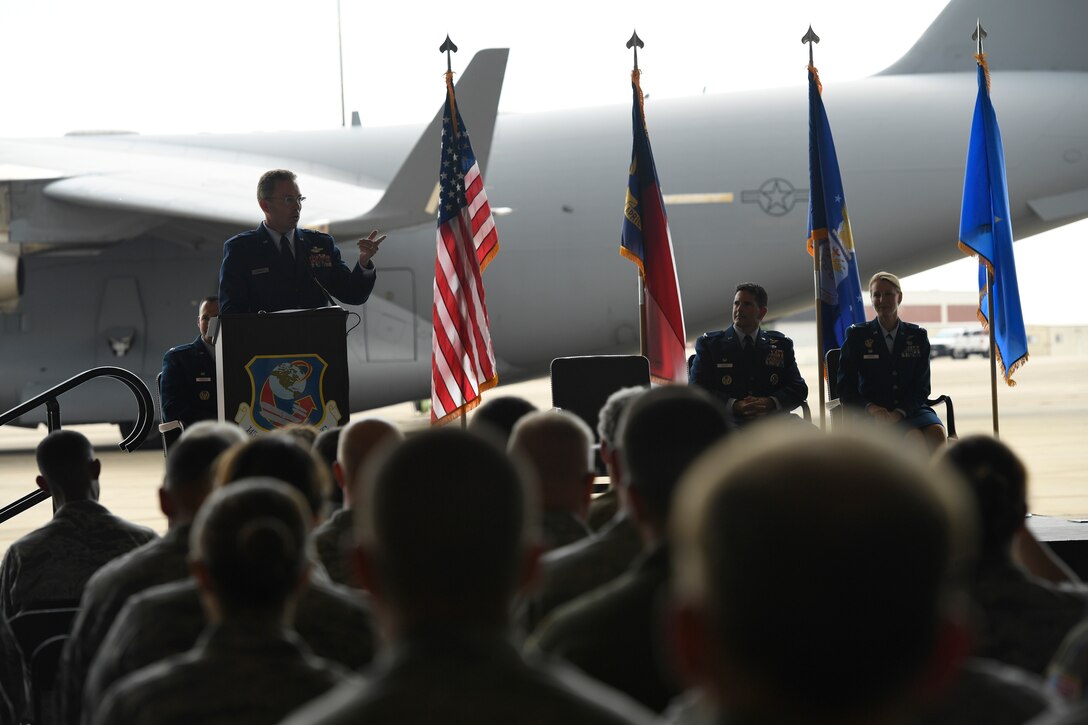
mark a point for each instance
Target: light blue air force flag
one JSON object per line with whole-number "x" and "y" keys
{"x": 986, "y": 230}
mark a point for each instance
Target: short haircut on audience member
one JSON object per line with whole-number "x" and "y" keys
{"x": 661, "y": 433}
{"x": 63, "y": 459}
{"x": 998, "y": 481}
{"x": 326, "y": 444}
{"x": 609, "y": 416}
{"x": 189, "y": 465}
{"x": 498, "y": 416}
{"x": 362, "y": 438}
{"x": 447, "y": 517}
{"x": 229, "y": 431}
{"x": 559, "y": 445}
{"x": 282, "y": 457}
{"x": 824, "y": 565}
{"x": 251, "y": 537}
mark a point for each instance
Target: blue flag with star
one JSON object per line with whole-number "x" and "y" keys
{"x": 986, "y": 230}
{"x": 841, "y": 303}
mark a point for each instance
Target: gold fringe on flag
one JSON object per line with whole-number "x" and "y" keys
{"x": 453, "y": 101}
{"x": 816, "y": 75}
{"x": 981, "y": 60}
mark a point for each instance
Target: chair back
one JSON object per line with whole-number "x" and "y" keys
{"x": 169, "y": 430}
{"x": 831, "y": 366}
{"x": 581, "y": 385}
{"x": 32, "y": 627}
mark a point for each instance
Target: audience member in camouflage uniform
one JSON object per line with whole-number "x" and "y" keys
{"x": 559, "y": 448}
{"x": 333, "y": 620}
{"x": 580, "y": 567}
{"x": 1023, "y": 618}
{"x": 249, "y": 668}
{"x": 51, "y": 565}
{"x": 447, "y": 533}
{"x": 186, "y": 484}
{"x": 615, "y": 633}
{"x": 332, "y": 539}
{"x": 817, "y": 579}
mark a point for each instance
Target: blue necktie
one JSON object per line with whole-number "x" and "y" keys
{"x": 285, "y": 252}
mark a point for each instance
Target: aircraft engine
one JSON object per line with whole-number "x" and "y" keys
{"x": 11, "y": 280}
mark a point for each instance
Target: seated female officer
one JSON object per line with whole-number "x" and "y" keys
{"x": 884, "y": 367}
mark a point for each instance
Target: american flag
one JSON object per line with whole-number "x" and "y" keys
{"x": 462, "y": 358}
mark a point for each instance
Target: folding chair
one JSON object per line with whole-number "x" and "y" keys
{"x": 169, "y": 430}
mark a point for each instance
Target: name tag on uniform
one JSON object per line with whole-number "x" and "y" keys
{"x": 725, "y": 365}
{"x": 870, "y": 357}
{"x": 203, "y": 380}
{"x": 259, "y": 270}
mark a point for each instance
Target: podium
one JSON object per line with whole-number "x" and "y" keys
{"x": 283, "y": 368}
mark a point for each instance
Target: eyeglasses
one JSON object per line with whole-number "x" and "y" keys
{"x": 289, "y": 200}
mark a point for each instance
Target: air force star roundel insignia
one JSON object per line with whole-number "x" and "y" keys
{"x": 286, "y": 390}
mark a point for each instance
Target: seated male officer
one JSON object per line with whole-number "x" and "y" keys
{"x": 188, "y": 373}
{"x": 753, "y": 371}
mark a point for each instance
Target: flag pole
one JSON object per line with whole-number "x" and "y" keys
{"x": 817, "y": 252}
{"x": 449, "y": 49}
{"x": 634, "y": 44}
{"x": 817, "y": 255}
{"x": 993, "y": 347}
{"x": 977, "y": 36}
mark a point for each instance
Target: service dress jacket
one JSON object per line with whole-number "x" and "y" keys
{"x": 896, "y": 380}
{"x": 188, "y": 383}
{"x": 255, "y": 277}
{"x": 721, "y": 367}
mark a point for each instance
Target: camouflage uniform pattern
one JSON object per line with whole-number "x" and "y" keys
{"x": 1025, "y": 619}
{"x": 232, "y": 676}
{"x": 331, "y": 540}
{"x": 573, "y": 570}
{"x": 986, "y": 691}
{"x": 53, "y": 563}
{"x": 1068, "y": 671}
{"x": 615, "y": 634}
{"x": 166, "y": 620}
{"x": 468, "y": 679}
{"x": 561, "y": 528}
{"x": 603, "y": 509}
{"x": 157, "y": 562}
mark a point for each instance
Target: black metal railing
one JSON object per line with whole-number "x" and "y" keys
{"x": 145, "y": 419}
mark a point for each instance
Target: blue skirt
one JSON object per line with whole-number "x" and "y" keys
{"x": 921, "y": 418}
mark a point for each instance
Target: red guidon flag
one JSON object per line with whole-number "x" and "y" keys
{"x": 462, "y": 358}
{"x": 646, "y": 241}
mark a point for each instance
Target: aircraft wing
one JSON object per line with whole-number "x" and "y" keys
{"x": 214, "y": 192}
{"x": 120, "y": 179}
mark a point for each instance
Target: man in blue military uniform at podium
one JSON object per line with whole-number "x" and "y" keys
{"x": 188, "y": 373}
{"x": 278, "y": 266}
{"x": 753, "y": 371}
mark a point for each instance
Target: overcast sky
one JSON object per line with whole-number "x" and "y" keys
{"x": 268, "y": 65}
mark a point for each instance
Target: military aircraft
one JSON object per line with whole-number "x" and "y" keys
{"x": 109, "y": 239}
